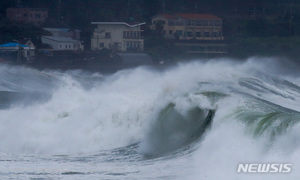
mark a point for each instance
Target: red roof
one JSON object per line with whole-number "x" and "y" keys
{"x": 168, "y": 16}
{"x": 190, "y": 16}
{"x": 197, "y": 16}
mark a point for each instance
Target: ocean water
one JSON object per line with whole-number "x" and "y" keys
{"x": 195, "y": 120}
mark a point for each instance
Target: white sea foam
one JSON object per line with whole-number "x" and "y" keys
{"x": 87, "y": 113}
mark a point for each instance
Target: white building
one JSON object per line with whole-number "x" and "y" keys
{"x": 118, "y": 36}
{"x": 64, "y": 32}
{"x": 63, "y": 39}
{"x": 62, "y": 43}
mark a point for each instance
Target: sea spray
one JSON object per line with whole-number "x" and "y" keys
{"x": 93, "y": 126}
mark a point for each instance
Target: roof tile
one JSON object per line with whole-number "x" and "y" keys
{"x": 191, "y": 16}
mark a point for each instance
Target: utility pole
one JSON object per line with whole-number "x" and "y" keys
{"x": 285, "y": 6}
{"x": 291, "y": 17}
{"x": 291, "y": 10}
{"x": 128, "y": 9}
{"x": 18, "y": 11}
{"x": 163, "y": 6}
{"x": 254, "y": 12}
{"x": 59, "y": 8}
{"x": 236, "y": 8}
{"x": 263, "y": 8}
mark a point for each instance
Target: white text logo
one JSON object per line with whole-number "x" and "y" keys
{"x": 264, "y": 168}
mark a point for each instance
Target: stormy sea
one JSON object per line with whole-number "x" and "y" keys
{"x": 195, "y": 120}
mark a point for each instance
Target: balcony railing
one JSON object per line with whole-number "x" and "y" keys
{"x": 132, "y": 37}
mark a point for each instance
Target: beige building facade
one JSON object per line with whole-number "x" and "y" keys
{"x": 188, "y": 26}
{"x": 117, "y": 36}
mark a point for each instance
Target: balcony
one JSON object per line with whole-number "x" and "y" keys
{"x": 132, "y": 37}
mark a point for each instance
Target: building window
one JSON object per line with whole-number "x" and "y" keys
{"x": 66, "y": 46}
{"x": 101, "y": 45}
{"x": 37, "y": 16}
{"x": 69, "y": 46}
{"x": 162, "y": 22}
{"x": 179, "y": 33}
{"x": 216, "y": 34}
{"x": 198, "y": 34}
{"x": 171, "y": 23}
{"x": 179, "y": 23}
{"x": 170, "y": 32}
{"x": 108, "y": 35}
{"x": 206, "y": 34}
{"x": 191, "y": 23}
{"x": 189, "y": 34}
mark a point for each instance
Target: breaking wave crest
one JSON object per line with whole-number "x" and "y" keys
{"x": 217, "y": 109}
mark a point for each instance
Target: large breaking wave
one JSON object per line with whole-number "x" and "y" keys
{"x": 217, "y": 114}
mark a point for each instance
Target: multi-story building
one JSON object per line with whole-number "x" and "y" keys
{"x": 27, "y": 15}
{"x": 118, "y": 36}
{"x": 188, "y": 26}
